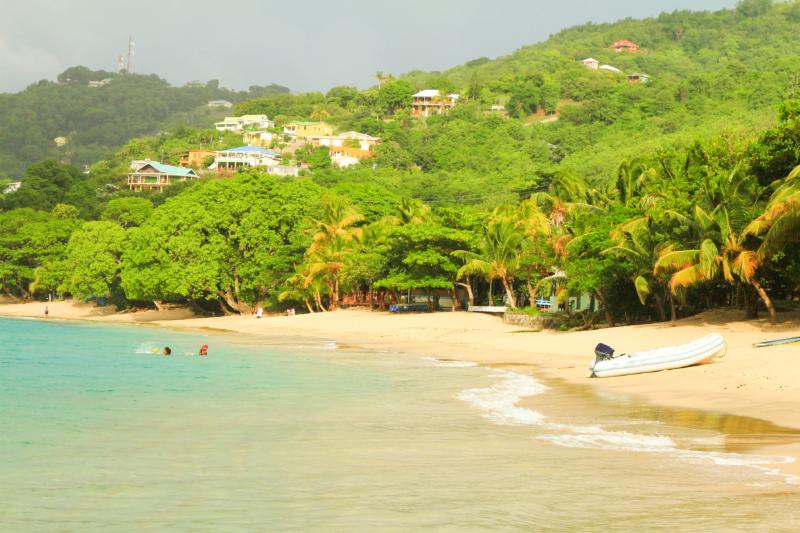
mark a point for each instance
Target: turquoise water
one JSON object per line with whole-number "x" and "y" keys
{"x": 100, "y": 434}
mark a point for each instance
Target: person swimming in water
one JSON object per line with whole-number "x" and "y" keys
{"x": 204, "y": 350}
{"x": 167, "y": 350}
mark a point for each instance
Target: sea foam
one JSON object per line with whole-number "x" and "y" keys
{"x": 498, "y": 403}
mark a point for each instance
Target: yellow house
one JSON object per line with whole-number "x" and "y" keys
{"x": 308, "y": 129}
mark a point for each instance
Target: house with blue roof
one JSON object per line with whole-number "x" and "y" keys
{"x": 247, "y": 156}
{"x": 152, "y": 175}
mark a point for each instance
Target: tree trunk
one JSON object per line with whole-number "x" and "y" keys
{"x": 750, "y": 310}
{"x": 531, "y": 293}
{"x": 773, "y": 315}
{"x": 512, "y": 301}
{"x": 158, "y": 305}
{"x": 318, "y": 301}
{"x": 606, "y": 310}
{"x": 673, "y": 315}
{"x": 470, "y": 296}
{"x": 308, "y": 305}
{"x": 662, "y": 314}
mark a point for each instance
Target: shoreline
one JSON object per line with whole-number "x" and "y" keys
{"x": 761, "y": 384}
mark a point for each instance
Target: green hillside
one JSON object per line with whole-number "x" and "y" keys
{"x": 95, "y": 120}
{"x": 655, "y": 199}
{"x": 709, "y": 70}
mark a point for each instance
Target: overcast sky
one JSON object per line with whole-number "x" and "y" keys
{"x": 303, "y": 44}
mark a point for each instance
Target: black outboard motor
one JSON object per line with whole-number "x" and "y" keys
{"x": 603, "y": 352}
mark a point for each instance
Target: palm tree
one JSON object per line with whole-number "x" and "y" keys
{"x": 722, "y": 250}
{"x": 333, "y": 241}
{"x": 498, "y": 255}
{"x": 319, "y": 113}
{"x": 780, "y": 222}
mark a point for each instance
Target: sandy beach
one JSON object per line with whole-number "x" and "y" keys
{"x": 761, "y": 383}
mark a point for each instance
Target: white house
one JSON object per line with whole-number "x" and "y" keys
{"x": 343, "y": 160}
{"x": 609, "y": 68}
{"x": 220, "y": 103}
{"x": 591, "y": 63}
{"x": 12, "y": 187}
{"x": 365, "y": 142}
{"x": 284, "y": 170}
{"x": 239, "y": 124}
{"x": 247, "y": 156}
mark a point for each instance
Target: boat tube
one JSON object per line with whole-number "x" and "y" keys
{"x": 695, "y": 352}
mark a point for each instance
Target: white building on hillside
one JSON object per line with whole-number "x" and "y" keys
{"x": 220, "y": 103}
{"x": 12, "y": 187}
{"x": 250, "y": 122}
{"x": 246, "y": 156}
{"x": 591, "y": 63}
{"x": 365, "y": 142}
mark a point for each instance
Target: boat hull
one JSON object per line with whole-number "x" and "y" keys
{"x": 695, "y": 352}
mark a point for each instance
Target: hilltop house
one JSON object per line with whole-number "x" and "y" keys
{"x": 239, "y": 124}
{"x": 196, "y": 158}
{"x": 152, "y": 175}
{"x": 353, "y": 139}
{"x": 308, "y": 130}
{"x": 429, "y": 102}
{"x": 219, "y": 103}
{"x": 638, "y": 78}
{"x": 246, "y": 156}
{"x": 591, "y": 63}
{"x": 624, "y": 45}
{"x": 609, "y": 68}
{"x": 12, "y": 187}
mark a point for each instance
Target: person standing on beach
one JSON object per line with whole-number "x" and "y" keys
{"x": 259, "y": 312}
{"x": 46, "y": 311}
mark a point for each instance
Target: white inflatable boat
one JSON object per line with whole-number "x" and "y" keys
{"x": 697, "y": 351}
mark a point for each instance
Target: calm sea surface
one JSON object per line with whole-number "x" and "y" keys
{"x": 97, "y": 433}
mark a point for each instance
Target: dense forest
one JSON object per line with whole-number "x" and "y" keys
{"x": 657, "y": 199}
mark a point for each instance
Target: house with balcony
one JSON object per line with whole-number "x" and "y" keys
{"x": 429, "y": 102}
{"x": 245, "y": 122}
{"x": 196, "y": 158}
{"x": 307, "y": 130}
{"x": 624, "y": 45}
{"x": 246, "y": 156}
{"x": 154, "y": 176}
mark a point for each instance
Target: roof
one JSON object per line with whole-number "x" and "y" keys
{"x": 624, "y": 42}
{"x": 588, "y": 59}
{"x": 427, "y": 93}
{"x": 356, "y": 135}
{"x": 610, "y": 68}
{"x": 256, "y": 149}
{"x": 169, "y": 169}
{"x": 301, "y": 123}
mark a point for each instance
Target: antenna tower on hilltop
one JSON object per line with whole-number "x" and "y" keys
{"x": 130, "y": 54}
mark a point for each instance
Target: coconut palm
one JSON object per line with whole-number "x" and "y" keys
{"x": 722, "y": 250}
{"x": 780, "y": 222}
{"x": 334, "y": 239}
{"x": 499, "y": 253}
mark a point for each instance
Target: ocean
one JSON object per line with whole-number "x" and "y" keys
{"x": 99, "y": 433}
